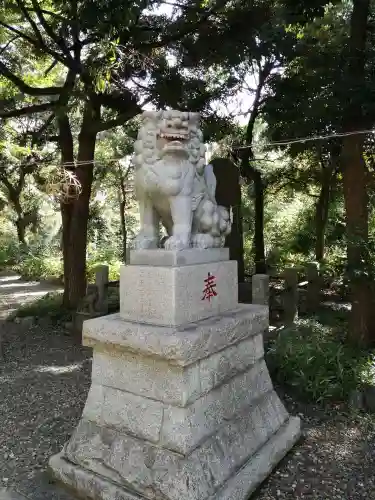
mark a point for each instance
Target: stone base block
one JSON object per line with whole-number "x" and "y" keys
{"x": 177, "y": 296}
{"x": 170, "y": 258}
{"x": 180, "y": 346}
{"x": 195, "y": 479}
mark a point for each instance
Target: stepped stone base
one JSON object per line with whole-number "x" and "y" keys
{"x": 239, "y": 486}
{"x": 177, "y": 409}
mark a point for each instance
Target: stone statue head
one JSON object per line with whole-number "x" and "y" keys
{"x": 169, "y": 132}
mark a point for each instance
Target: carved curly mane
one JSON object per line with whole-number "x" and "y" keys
{"x": 146, "y": 148}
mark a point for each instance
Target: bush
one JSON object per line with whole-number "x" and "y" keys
{"x": 311, "y": 359}
{"x": 49, "y": 305}
{"x": 37, "y": 267}
{"x": 114, "y": 269}
{"x": 9, "y": 253}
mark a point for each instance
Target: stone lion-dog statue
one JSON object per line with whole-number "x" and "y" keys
{"x": 174, "y": 185}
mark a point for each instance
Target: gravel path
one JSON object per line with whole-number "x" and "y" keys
{"x": 43, "y": 386}
{"x": 14, "y": 292}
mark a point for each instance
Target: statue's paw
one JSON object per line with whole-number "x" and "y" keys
{"x": 203, "y": 240}
{"x": 142, "y": 242}
{"x": 176, "y": 243}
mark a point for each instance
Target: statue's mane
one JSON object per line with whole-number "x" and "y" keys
{"x": 145, "y": 147}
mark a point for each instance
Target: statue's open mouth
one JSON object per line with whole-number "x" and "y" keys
{"x": 171, "y": 136}
{"x": 175, "y": 147}
{"x": 174, "y": 142}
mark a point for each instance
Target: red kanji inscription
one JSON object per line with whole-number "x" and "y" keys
{"x": 209, "y": 288}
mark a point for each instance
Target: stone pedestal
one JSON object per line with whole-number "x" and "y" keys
{"x": 181, "y": 404}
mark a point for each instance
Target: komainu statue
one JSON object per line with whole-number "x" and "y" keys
{"x": 174, "y": 186}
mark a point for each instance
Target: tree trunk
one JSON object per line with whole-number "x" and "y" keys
{"x": 235, "y": 240}
{"x": 362, "y": 330}
{"x": 322, "y": 209}
{"x": 122, "y": 204}
{"x": 123, "y": 229}
{"x": 75, "y": 213}
{"x": 259, "y": 250}
{"x": 251, "y": 174}
{"x": 81, "y": 209}
{"x": 67, "y": 156}
{"x": 20, "y": 226}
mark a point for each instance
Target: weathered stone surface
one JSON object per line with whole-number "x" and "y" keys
{"x": 225, "y": 452}
{"x": 228, "y": 465}
{"x": 28, "y": 321}
{"x": 86, "y": 483}
{"x": 184, "y": 428}
{"x": 260, "y": 289}
{"x": 94, "y": 403}
{"x": 146, "y": 376}
{"x": 225, "y": 364}
{"x": 357, "y": 400}
{"x": 173, "y": 258}
{"x": 180, "y": 429}
{"x": 127, "y": 412}
{"x": 174, "y": 296}
{"x": 252, "y": 474}
{"x": 7, "y": 494}
{"x": 369, "y": 398}
{"x": 290, "y": 296}
{"x": 125, "y": 460}
{"x": 171, "y": 384}
{"x": 180, "y": 346}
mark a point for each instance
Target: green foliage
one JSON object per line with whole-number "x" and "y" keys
{"x": 39, "y": 267}
{"x": 9, "y": 252}
{"x": 312, "y": 359}
{"x": 113, "y": 264}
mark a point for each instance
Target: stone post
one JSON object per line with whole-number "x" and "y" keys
{"x": 101, "y": 282}
{"x": 261, "y": 289}
{"x": 313, "y": 287}
{"x": 290, "y": 296}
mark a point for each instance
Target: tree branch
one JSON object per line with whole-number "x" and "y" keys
{"x": 38, "y": 133}
{"x": 34, "y": 43}
{"x": 77, "y": 45}
{"x": 50, "y": 68}
{"x": 19, "y": 33}
{"x": 48, "y": 12}
{"x": 8, "y": 43}
{"x": 187, "y": 29}
{"x": 59, "y": 41}
{"x": 24, "y": 87}
{"x": 32, "y": 23}
{"x": 28, "y": 110}
{"x": 133, "y": 110}
{"x": 115, "y": 122}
